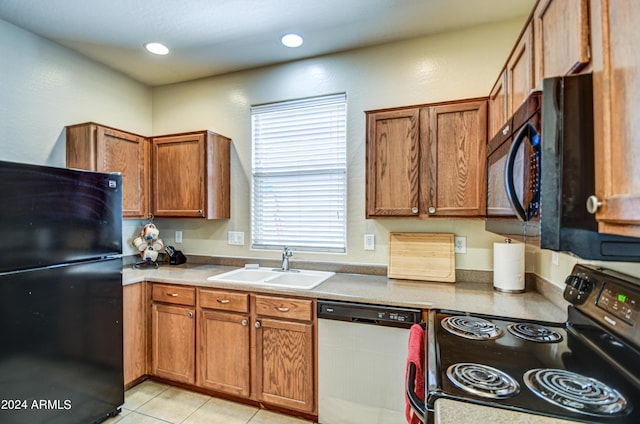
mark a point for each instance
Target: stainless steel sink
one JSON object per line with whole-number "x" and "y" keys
{"x": 295, "y": 279}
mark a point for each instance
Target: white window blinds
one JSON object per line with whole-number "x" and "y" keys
{"x": 299, "y": 174}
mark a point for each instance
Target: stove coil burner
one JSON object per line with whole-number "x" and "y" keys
{"x": 575, "y": 392}
{"x": 482, "y": 380}
{"x": 534, "y": 333}
{"x": 471, "y": 327}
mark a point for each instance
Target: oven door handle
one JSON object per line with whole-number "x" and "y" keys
{"x": 417, "y": 405}
{"x": 527, "y": 132}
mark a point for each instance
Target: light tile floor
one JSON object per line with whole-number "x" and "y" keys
{"x": 154, "y": 403}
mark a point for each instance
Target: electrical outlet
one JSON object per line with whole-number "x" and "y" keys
{"x": 235, "y": 238}
{"x": 178, "y": 237}
{"x": 369, "y": 242}
{"x": 554, "y": 258}
{"x": 460, "y": 245}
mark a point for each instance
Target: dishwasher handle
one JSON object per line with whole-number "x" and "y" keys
{"x": 417, "y": 405}
{"x": 366, "y": 321}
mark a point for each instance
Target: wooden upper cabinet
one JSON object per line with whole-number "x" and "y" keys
{"x": 616, "y": 105}
{"x": 561, "y": 29}
{"x": 520, "y": 76}
{"x": 190, "y": 175}
{"x": 453, "y": 152}
{"x": 98, "y": 148}
{"x": 497, "y": 105}
{"x": 393, "y": 159}
{"x": 427, "y": 161}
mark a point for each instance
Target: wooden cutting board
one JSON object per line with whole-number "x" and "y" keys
{"x": 422, "y": 256}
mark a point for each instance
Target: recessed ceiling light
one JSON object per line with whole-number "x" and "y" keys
{"x": 156, "y": 48}
{"x": 291, "y": 40}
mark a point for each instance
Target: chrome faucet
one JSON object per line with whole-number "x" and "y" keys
{"x": 286, "y": 254}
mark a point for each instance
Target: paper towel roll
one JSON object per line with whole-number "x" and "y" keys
{"x": 508, "y": 267}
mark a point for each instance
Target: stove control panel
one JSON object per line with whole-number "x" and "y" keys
{"x": 578, "y": 288}
{"x": 619, "y": 302}
{"x": 613, "y": 299}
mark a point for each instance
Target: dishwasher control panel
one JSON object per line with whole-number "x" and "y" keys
{"x": 369, "y": 314}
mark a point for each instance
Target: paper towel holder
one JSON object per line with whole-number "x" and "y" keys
{"x": 514, "y": 280}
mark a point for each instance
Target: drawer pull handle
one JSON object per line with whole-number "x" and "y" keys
{"x": 281, "y": 309}
{"x": 172, "y": 294}
{"x": 223, "y": 301}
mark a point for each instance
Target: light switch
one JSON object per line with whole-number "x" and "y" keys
{"x": 235, "y": 238}
{"x": 369, "y": 242}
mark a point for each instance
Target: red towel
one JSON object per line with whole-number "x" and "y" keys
{"x": 417, "y": 357}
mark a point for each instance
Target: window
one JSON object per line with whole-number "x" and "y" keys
{"x": 299, "y": 172}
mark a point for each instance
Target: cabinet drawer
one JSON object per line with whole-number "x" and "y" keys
{"x": 224, "y": 300}
{"x": 282, "y": 307}
{"x": 178, "y": 295}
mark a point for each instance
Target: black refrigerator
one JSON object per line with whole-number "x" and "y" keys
{"x": 60, "y": 295}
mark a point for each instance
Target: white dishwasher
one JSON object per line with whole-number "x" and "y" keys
{"x": 362, "y": 353}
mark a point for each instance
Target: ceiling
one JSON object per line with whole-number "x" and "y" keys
{"x": 212, "y": 37}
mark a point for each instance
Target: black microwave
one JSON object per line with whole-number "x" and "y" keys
{"x": 540, "y": 172}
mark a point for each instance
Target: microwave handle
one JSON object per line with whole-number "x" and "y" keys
{"x": 512, "y": 195}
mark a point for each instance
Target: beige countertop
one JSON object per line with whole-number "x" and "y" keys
{"x": 454, "y": 412}
{"x": 375, "y": 289}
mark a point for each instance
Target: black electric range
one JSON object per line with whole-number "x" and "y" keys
{"x": 586, "y": 369}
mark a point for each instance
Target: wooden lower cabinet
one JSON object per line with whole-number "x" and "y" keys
{"x": 134, "y": 329}
{"x": 173, "y": 342}
{"x": 285, "y": 365}
{"x": 224, "y": 352}
{"x": 256, "y": 347}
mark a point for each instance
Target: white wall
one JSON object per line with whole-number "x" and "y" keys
{"x": 45, "y": 87}
{"x": 447, "y": 66}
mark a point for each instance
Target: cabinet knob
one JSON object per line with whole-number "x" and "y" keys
{"x": 505, "y": 130}
{"x": 199, "y": 211}
{"x": 244, "y": 323}
{"x": 414, "y": 210}
{"x": 432, "y": 209}
{"x": 257, "y": 324}
{"x": 190, "y": 314}
{"x": 593, "y": 203}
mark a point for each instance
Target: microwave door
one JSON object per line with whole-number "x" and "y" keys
{"x": 498, "y": 205}
{"x": 522, "y": 173}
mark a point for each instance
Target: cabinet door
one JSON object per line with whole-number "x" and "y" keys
{"x": 285, "y": 364}
{"x": 392, "y": 163}
{"x": 497, "y": 106}
{"x": 561, "y": 29}
{"x": 191, "y": 175}
{"x": 520, "y": 71}
{"x": 173, "y": 343}
{"x": 617, "y": 100}
{"x": 452, "y": 172}
{"x": 178, "y": 175}
{"x": 224, "y": 352}
{"x": 134, "y": 329}
{"x": 97, "y": 148}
